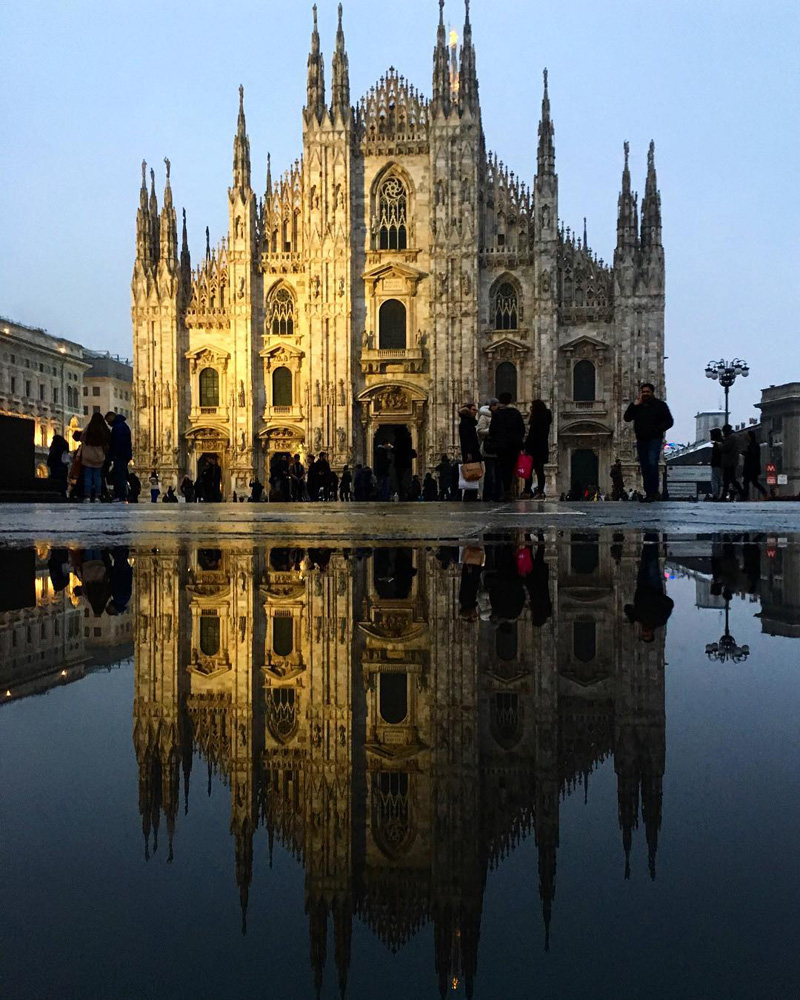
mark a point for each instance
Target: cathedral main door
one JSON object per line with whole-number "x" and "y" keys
{"x": 584, "y": 469}
{"x": 403, "y": 455}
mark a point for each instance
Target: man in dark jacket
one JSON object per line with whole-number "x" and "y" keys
{"x": 120, "y": 452}
{"x": 651, "y": 420}
{"x": 506, "y": 434}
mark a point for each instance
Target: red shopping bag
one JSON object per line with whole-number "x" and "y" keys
{"x": 524, "y": 466}
{"x": 524, "y": 561}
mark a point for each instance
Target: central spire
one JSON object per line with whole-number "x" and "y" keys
{"x": 340, "y": 71}
{"x": 546, "y": 154}
{"x": 241, "y": 150}
{"x": 315, "y": 96}
{"x": 441, "y": 68}
{"x": 468, "y": 77}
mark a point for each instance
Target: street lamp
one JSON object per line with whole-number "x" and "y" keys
{"x": 725, "y": 373}
{"x": 727, "y": 648}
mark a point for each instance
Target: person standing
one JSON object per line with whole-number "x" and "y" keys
{"x": 58, "y": 462}
{"x": 155, "y": 486}
{"x": 383, "y": 469}
{"x": 752, "y": 465}
{"x": 729, "y": 459}
{"x": 716, "y": 463}
{"x": 651, "y": 420}
{"x": 120, "y": 453}
{"x": 468, "y": 437}
{"x": 617, "y": 481}
{"x": 346, "y": 485}
{"x": 297, "y": 475}
{"x": 256, "y": 489}
{"x": 537, "y": 445}
{"x": 323, "y": 470}
{"x": 187, "y": 489}
{"x": 312, "y": 479}
{"x": 444, "y": 471}
{"x": 506, "y": 434}
{"x": 94, "y": 448}
{"x": 490, "y": 481}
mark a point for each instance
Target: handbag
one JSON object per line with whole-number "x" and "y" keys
{"x": 467, "y": 484}
{"x": 471, "y": 471}
{"x": 524, "y": 561}
{"x": 524, "y": 466}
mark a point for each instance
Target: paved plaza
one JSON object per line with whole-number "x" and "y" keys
{"x": 22, "y": 524}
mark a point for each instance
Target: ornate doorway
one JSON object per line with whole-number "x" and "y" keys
{"x": 584, "y": 469}
{"x": 398, "y": 436}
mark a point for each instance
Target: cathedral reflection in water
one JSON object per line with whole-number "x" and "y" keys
{"x": 400, "y": 719}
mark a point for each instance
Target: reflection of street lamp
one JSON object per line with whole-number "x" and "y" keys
{"x": 725, "y": 373}
{"x": 727, "y": 649}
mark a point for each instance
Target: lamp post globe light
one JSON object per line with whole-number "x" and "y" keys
{"x": 727, "y": 648}
{"x": 726, "y": 372}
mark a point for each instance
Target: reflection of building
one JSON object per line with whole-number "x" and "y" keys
{"x": 395, "y": 270}
{"x": 107, "y": 385}
{"x": 51, "y": 637}
{"x": 396, "y": 748}
{"x": 780, "y": 590}
{"x": 41, "y": 378}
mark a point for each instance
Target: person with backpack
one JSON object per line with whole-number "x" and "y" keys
{"x": 120, "y": 453}
{"x": 752, "y": 465}
{"x": 95, "y": 441}
{"x": 506, "y": 434}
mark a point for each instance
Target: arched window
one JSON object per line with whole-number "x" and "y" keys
{"x": 282, "y": 387}
{"x": 392, "y": 202}
{"x": 287, "y": 246}
{"x": 281, "y": 313}
{"x": 584, "y": 555}
{"x": 393, "y": 697}
{"x": 391, "y": 818}
{"x": 392, "y": 324}
{"x": 584, "y": 641}
{"x": 281, "y": 713}
{"x": 505, "y": 718}
{"x": 209, "y": 387}
{"x": 506, "y": 310}
{"x": 505, "y": 379}
{"x": 209, "y": 635}
{"x": 505, "y": 641}
{"x": 583, "y": 382}
{"x": 282, "y": 636}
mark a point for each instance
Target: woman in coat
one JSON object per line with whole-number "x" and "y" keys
{"x": 58, "y": 462}
{"x": 95, "y": 441}
{"x": 468, "y": 437}
{"x": 537, "y": 444}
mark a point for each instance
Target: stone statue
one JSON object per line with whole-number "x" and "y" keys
{"x": 317, "y": 440}
{"x": 317, "y": 394}
{"x": 364, "y": 341}
{"x": 241, "y": 393}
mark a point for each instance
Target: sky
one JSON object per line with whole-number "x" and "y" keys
{"x": 91, "y": 88}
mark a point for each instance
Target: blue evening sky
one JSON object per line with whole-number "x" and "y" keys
{"x": 90, "y": 88}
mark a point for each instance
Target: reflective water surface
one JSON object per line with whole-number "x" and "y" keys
{"x": 565, "y": 764}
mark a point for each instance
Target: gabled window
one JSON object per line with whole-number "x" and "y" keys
{"x": 281, "y": 313}
{"x": 506, "y": 309}
{"x": 392, "y": 222}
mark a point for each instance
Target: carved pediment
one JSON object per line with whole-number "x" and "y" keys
{"x": 584, "y": 345}
{"x": 282, "y": 351}
{"x": 397, "y": 275}
{"x": 506, "y": 348}
{"x": 208, "y": 354}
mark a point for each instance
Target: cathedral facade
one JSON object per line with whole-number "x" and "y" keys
{"x": 395, "y": 271}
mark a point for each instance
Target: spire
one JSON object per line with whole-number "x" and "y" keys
{"x": 269, "y": 178}
{"x": 208, "y": 256}
{"x": 651, "y": 204}
{"x": 585, "y": 237}
{"x": 241, "y": 150}
{"x": 144, "y": 225}
{"x": 626, "y": 208}
{"x": 168, "y": 225}
{"x": 186, "y": 286}
{"x": 546, "y": 155}
{"x": 468, "y": 76}
{"x": 441, "y": 69}
{"x": 154, "y": 222}
{"x": 315, "y": 99}
{"x": 340, "y": 76}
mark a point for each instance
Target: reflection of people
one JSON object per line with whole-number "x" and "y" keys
{"x": 538, "y": 584}
{"x": 121, "y": 574}
{"x": 651, "y": 606}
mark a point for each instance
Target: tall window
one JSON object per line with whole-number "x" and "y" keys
{"x": 282, "y": 636}
{"x": 583, "y": 382}
{"x": 392, "y": 320}
{"x": 282, "y": 387}
{"x": 584, "y": 641}
{"x": 393, "y": 697}
{"x": 505, "y": 379}
{"x": 209, "y": 387}
{"x": 505, "y": 308}
{"x": 281, "y": 313}
{"x": 392, "y": 202}
{"x": 209, "y": 635}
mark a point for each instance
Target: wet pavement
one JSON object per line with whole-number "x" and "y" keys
{"x": 549, "y": 760}
{"x": 28, "y": 523}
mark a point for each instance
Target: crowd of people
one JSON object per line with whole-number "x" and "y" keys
{"x": 496, "y": 449}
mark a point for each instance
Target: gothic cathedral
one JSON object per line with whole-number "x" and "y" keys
{"x": 393, "y": 272}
